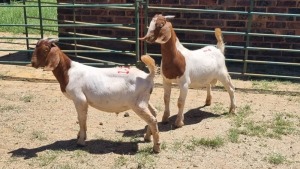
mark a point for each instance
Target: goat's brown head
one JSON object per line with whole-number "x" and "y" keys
{"x": 45, "y": 54}
{"x": 159, "y": 30}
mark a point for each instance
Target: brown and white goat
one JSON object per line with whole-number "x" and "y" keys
{"x": 107, "y": 89}
{"x": 188, "y": 68}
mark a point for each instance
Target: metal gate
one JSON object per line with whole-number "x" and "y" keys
{"x": 70, "y": 40}
{"x": 141, "y": 9}
{"x": 244, "y": 61}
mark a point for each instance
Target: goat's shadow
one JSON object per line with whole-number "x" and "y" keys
{"x": 193, "y": 116}
{"x": 92, "y": 146}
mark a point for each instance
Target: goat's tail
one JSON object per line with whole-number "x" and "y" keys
{"x": 150, "y": 63}
{"x": 220, "y": 43}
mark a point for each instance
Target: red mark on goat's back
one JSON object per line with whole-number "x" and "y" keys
{"x": 123, "y": 70}
{"x": 207, "y": 50}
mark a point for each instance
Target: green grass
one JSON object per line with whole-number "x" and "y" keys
{"x": 219, "y": 108}
{"x": 15, "y": 15}
{"x": 254, "y": 129}
{"x": 233, "y": 135}
{"x": 145, "y": 158}
{"x": 120, "y": 161}
{"x": 276, "y": 158}
{"x": 241, "y": 114}
{"x": 280, "y": 125}
{"x": 265, "y": 85}
{"x": 47, "y": 158}
{"x": 207, "y": 142}
{"x": 26, "y": 98}
{"x": 6, "y": 108}
{"x": 38, "y": 135}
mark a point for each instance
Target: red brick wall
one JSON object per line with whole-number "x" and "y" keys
{"x": 228, "y": 22}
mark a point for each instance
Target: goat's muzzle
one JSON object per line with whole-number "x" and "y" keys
{"x": 148, "y": 39}
{"x": 34, "y": 62}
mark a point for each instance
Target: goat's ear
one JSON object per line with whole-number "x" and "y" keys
{"x": 52, "y": 59}
{"x": 164, "y": 33}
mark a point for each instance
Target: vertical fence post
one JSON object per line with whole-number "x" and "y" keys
{"x": 26, "y": 28}
{"x": 249, "y": 24}
{"x": 137, "y": 30}
{"x": 145, "y": 22}
{"x": 74, "y": 28}
{"x": 41, "y": 19}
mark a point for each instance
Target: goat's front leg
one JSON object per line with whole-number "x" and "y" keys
{"x": 81, "y": 108}
{"x": 180, "y": 104}
{"x": 167, "y": 93}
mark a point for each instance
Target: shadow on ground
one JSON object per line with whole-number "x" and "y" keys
{"x": 191, "y": 117}
{"x": 93, "y": 147}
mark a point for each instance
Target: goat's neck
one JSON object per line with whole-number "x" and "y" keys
{"x": 61, "y": 71}
{"x": 173, "y": 62}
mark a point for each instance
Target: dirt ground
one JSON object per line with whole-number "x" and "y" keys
{"x": 38, "y": 127}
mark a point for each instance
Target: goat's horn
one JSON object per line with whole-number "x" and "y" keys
{"x": 53, "y": 40}
{"x": 143, "y": 38}
{"x": 169, "y": 16}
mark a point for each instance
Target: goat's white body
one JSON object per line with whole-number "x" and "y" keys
{"x": 188, "y": 68}
{"x": 202, "y": 65}
{"x": 108, "y": 89}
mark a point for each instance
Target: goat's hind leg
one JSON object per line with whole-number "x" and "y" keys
{"x": 208, "y": 96}
{"x": 208, "y": 89}
{"x": 225, "y": 79}
{"x": 147, "y": 116}
{"x": 154, "y": 113}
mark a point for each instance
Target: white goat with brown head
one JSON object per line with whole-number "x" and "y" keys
{"x": 188, "y": 68}
{"x": 107, "y": 89}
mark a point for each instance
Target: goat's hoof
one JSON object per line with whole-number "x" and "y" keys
{"x": 207, "y": 103}
{"x": 179, "y": 124}
{"x": 156, "y": 148}
{"x": 165, "y": 120}
{"x": 232, "y": 110}
{"x": 80, "y": 145}
{"x": 147, "y": 139}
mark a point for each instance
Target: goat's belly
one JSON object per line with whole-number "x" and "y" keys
{"x": 108, "y": 106}
{"x": 197, "y": 85}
